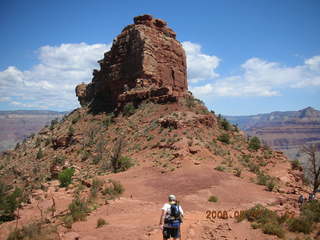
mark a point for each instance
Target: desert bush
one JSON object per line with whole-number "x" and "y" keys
{"x": 263, "y": 179}
{"x": 65, "y": 177}
{"x": 34, "y": 231}
{"x": 40, "y": 154}
{"x": 220, "y": 168}
{"x": 53, "y": 123}
{"x": 71, "y": 131}
{"x": 213, "y": 199}
{"x": 120, "y": 163}
{"x": 190, "y": 102}
{"x": 267, "y": 220}
{"x": 237, "y": 172}
{"x": 108, "y": 120}
{"x": 253, "y": 167}
{"x": 254, "y": 143}
{"x": 125, "y": 163}
{"x": 97, "y": 158}
{"x": 273, "y": 229}
{"x": 67, "y": 221}
{"x": 311, "y": 210}
{"x": 59, "y": 160}
{"x": 76, "y": 118}
{"x": 225, "y": 138}
{"x": 9, "y": 202}
{"x": 101, "y": 222}
{"x": 224, "y": 124}
{"x": 271, "y": 185}
{"x": 266, "y": 180}
{"x": 78, "y": 209}
{"x": 295, "y": 164}
{"x": 85, "y": 155}
{"x": 96, "y": 185}
{"x": 114, "y": 190}
{"x": 300, "y": 224}
{"x": 129, "y": 109}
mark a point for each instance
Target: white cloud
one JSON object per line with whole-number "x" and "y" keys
{"x": 200, "y": 66}
{"x": 262, "y": 78}
{"x": 51, "y": 83}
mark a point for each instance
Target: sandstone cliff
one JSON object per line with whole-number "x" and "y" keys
{"x": 145, "y": 61}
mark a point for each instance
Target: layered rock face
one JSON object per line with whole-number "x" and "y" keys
{"x": 145, "y": 61}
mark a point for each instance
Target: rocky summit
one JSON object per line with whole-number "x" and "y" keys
{"x": 145, "y": 62}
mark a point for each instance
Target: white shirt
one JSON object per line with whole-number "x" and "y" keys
{"x": 167, "y": 208}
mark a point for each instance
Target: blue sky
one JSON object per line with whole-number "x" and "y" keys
{"x": 244, "y": 57}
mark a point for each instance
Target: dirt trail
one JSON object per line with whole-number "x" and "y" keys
{"x": 138, "y": 217}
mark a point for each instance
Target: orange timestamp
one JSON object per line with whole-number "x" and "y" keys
{"x": 223, "y": 214}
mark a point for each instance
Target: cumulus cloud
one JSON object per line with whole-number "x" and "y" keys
{"x": 51, "y": 83}
{"x": 262, "y": 78}
{"x": 200, "y": 66}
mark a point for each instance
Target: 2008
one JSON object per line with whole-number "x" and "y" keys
{"x": 213, "y": 214}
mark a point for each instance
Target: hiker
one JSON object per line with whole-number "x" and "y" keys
{"x": 171, "y": 218}
{"x": 300, "y": 200}
{"x": 312, "y": 197}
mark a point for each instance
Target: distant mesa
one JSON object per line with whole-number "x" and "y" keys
{"x": 145, "y": 62}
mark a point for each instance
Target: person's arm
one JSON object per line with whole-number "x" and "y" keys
{"x": 163, "y": 213}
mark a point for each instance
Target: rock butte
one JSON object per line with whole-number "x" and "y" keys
{"x": 145, "y": 62}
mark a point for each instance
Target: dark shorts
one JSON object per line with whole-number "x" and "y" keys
{"x": 171, "y": 233}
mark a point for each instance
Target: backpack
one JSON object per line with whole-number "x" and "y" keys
{"x": 174, "y": 220}
{"x": 175, "y": 211}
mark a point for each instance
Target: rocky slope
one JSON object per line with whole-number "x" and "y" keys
{"x": 285, "y": 131}
{"x": 17, "y": 125}
{"x": 150, "y": 140}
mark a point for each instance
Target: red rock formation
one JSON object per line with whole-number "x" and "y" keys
{"x": 145, "y": 61}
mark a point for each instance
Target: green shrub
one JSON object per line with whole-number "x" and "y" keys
{"x": 96, "y": 159}
{"x": 53, "y": 123}
{"x": 263, "y": 179}
{"x": 300, "y": 224}
{"x": 190, "y": 102}
{"x": 85, "y": 155}
{"x": 114, "y": 190}
{"x": 263, "y": 218}
{"x": 108, "y": 120}
{"x": 129, "y": 109}
{"x": 225, "y": 124}
{"x": 271, "y": 185}
{"x": 70, "y": 131}
{"x": 34, "y": 231}
{"x": 59, "y": 160}
{"x": 122, "y": 164}
{"x": 225, "y": 138}
{"x": 311, "y": 210}
{"x": 101, "y": 222}
{"x": 254, "y": 143}
{"x": 237, "y": 172}
{"x": 78, "y": 209}
{"x": 9, "y": 202}
{"x": 273, "y": 229}
{"x": 68, "y": 221}
{"x": 266, "y": 180}
{"x": 220, "y": 168}
{"x": 96, "y": 185}
{"x": 65, "y": 177}
{"x": 39, "y": 154}
{"x": 254, "y": 168}
{"x": 295, "y": 164}
{"x": 213, "y": 199}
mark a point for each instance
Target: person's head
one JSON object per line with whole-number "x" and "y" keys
{"x": 172, "y": 199}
